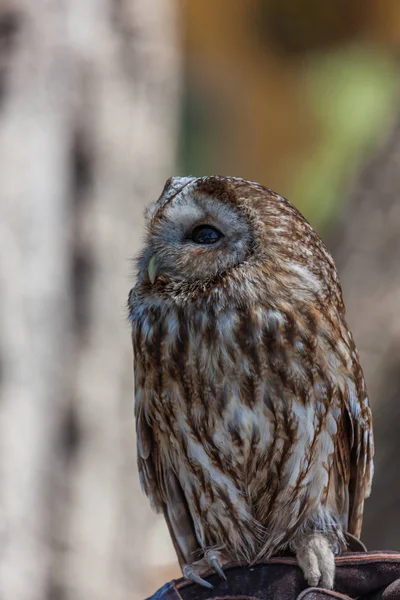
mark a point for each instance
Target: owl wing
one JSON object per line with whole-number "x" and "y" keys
{"x": 149, "y": 463}
{"x": 360, "y": 458}
{"x": 160, "y": 483}
{"x": 353, "y": 460}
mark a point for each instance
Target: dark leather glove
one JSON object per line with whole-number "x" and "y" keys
{"x": 366, "y": 576}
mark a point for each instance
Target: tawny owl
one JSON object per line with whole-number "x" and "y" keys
{"x": 253, "y": 424}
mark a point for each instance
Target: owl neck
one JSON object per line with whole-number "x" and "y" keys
{"x": 242, "y": 287}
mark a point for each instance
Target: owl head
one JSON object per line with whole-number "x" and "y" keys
{"x": 194, "y": 232}
{"x": 214, "y": 229}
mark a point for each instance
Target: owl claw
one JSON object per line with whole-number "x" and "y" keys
{"x": 213, "y": 559}
{"x": 190, "y": 574}
{"x": 214, "y": 562}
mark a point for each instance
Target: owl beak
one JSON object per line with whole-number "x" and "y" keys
{"x": 153, "y": 269}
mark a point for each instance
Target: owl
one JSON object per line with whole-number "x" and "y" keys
{"x": 254, "y": 430}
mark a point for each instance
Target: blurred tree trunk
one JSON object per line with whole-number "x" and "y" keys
{"x": 367, "y": 250}
{"x": 89, "y": 94}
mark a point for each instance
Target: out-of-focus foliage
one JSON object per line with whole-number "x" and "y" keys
{"x": 291, "y": 93}
{"x": 353, "y": 94}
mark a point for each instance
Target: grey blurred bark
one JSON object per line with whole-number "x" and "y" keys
{"x": 89, "y": 94}
{"x": 367, "y": 251}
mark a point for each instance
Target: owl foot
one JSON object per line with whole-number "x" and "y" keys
{"x": 315, "y": 555}
{"x": 212, "y": 558}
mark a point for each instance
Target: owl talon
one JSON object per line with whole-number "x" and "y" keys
{"x": 214, "y": 562}
{"x": 190, "y": 574}
{"x": 213, "y": 559}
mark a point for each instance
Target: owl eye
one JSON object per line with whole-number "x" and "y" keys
{"x": 205, "y": 234}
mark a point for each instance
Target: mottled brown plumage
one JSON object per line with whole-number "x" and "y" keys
{"x": 253, "y": 424}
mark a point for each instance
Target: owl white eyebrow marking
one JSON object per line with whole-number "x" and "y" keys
{"x": 172, "y": 192}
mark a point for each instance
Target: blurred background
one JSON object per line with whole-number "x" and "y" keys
{"x": 100, "y": 102}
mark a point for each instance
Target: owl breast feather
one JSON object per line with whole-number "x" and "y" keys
{"x": 225, "y": 396}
